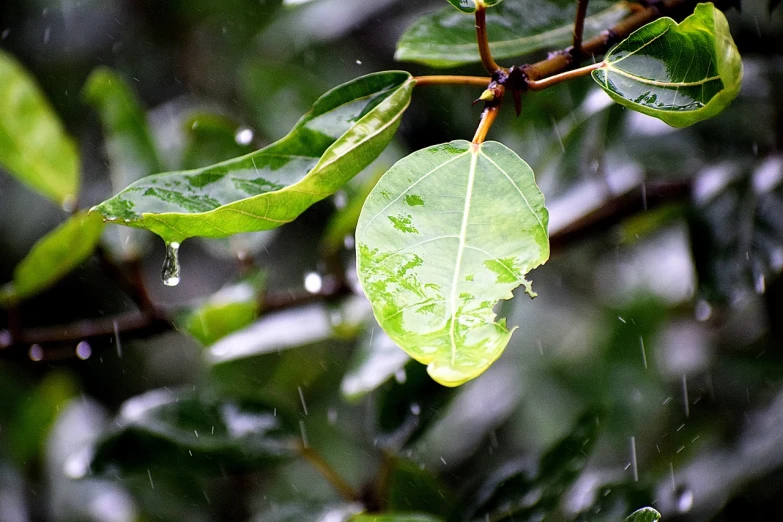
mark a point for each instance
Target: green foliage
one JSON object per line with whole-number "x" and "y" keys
{"x": 644, "y": 515}
{"x": 680, "y": 73}
{"x": 33, "y": 144}
{"x": 433, "y": 284}
{"x": 54, "y": 256}
{"x": 347, "y": 129}
{"x": 446, "y": 38}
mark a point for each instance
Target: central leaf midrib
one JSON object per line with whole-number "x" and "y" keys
{"x": 461, "y": 249}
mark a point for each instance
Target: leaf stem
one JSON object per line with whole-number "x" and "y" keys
{"x": 483, "y": 41}
{"x": 325, "y": 469}
{"x": 489, "y": 114}
{"x": 579, "y": 26}
{"x": 475, "y": 81}
{"x": 549, "y": 81}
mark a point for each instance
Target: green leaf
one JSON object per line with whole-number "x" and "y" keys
{"x": 394, "y": 517}
{"x": 447, "y": 233}
{"x": 227, "y": 311}
{"x": 33, "y": 144}
{"x": 412, "y": 488}
{"x": 54, "y": 256}
{"x": 446, "y": 38}
{"x": 679, "y": 73}
{"x": 470, "y": 6}
{"x": 182, "y": 428}
{"x": 346, "y": 129}
{"x": 521, "y": 489}
{"x": 646, "y": 514}
{"x": 129, "y": 145}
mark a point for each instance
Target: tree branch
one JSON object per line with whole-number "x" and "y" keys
{"x": 579, "y": 26}
{"x": 483, "y": 41}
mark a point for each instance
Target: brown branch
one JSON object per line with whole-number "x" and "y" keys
{"x": 549, "y": 81}
{"x": 579, "y": 26}
{"x": 643, "y": 198}
{"x": 325, "y": 469}
{"x": 447, "y": 79}
{"x": 483, "y": 41}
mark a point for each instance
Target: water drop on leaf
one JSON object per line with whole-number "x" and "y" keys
{"x": 170, "y": 272}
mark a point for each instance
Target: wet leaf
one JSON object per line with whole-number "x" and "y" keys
{"x": 447, "y": 233}
{"x": 182, "y": 428}
{"x": 54, "y": 256}
{"x": 470, "y": 6}
{"x": 519, "y": 488}
{"x": 414, "y": 489}
{"x": 646, "y": 514}
{"x": 447, "y": 38}
{"x": 679, "y": 73}
{"x": 346, "y": 129}
{"x": 33, "y": 144}
{"x": 303, "y": 510}
{"x": 226, "y": 311}
{"x": 377, "y": 359}
{"x": 274, "y": 355}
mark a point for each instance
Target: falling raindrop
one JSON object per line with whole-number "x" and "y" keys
{"x": 36, "y": 353}
{"x": 400, "y": 376}
{"x": 83, "y": 350}
{"x": 170, "y": 272}
{"x": 415, "y": 409}
{"x": 761, "y": 284}
{"x": 244, "y": 136}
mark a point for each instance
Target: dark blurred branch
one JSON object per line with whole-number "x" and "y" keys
{"x": 579, "y": 26}
{"x": 641, "y": 199}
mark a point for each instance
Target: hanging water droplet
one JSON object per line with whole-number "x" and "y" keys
{"x": 83, "y": 350}
{"x": 170, "y": 272}
{"x": 313, "y": 283}
{"x": 703, "y": 311}
{"x": 36, "y": 353}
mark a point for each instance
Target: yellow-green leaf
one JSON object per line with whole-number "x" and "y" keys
{"x": 34, "y": 146}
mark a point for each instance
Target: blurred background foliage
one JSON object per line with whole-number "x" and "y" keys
{"x": 648, "y": 372}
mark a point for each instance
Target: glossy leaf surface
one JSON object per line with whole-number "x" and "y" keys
{"x": 54, "y": 256}
{"x": 447, "y": 38}
{"x": 33, "y": 144}
{"x": 680, "y": 73}
{"x": 644, "y": 515}
{"x": 183, "y": 428}
{"x": 346, "y": 129}
{"x": 212, "y": 138}
{"x": 447, "y": 233}
{"x": 470, "y": 6}
{"x": 228, "y": 310}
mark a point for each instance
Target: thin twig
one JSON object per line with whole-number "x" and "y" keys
{"x": 549, "y": 81}
{"x": 483, "y": 41}
{"x": 447, "y": 79}
{"x": 579, "y": 26}
{"x": 325, "y": 469}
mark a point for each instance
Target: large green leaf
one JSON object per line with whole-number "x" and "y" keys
{"x": 447, "y": 233}
{"x": 33, "y": 144}
{"x": 680, "y": 73}
{"x": 446, "y": 38}
{"x": 54, "y": 256}
{"x": 346, "y": 129}
{"x": 470, "y": 6}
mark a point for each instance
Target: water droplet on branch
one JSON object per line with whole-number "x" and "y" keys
{"x": 170, "y": 272}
